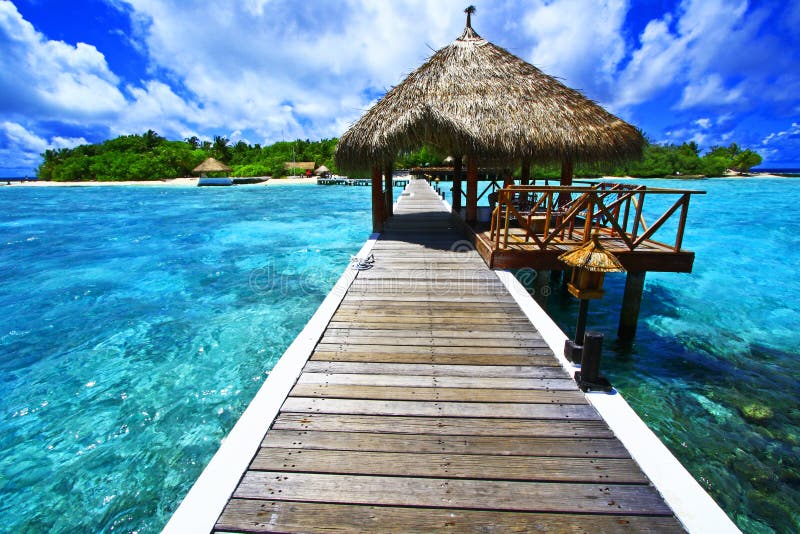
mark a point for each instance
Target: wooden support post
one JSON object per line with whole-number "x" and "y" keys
{"x": 542, "y": 287}
{"x": 377, "y": 199}
{"x": 472, "y": 190}
{"x": 525, "y": 172}
{"x": 566, "y": 179}
{"x": 457, "y": 183}
{"x": 631, "y": 301}
{"x": 388, "y": 170}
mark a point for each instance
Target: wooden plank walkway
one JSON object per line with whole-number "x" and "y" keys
{"x": 432, "y": 403}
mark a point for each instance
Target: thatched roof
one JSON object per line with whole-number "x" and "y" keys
{"x": 475, "y": 97}
{"x": 304, "y": 165}
{"x": 593, "y": 257}
{"x": 212, "y": 165}
{"x": 322, "y": 169}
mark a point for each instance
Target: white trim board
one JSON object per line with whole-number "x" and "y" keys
{"x": 692, "y": 505}
{"x": 202, "y": 506}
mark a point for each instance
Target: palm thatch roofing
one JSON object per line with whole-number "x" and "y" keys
{"x": 592, "y": 257}
{"x": 212, "y": 165}
{"x": 322, "y": 169}
{"x": 473, "y": 97}
{"x": 304, "y": 165}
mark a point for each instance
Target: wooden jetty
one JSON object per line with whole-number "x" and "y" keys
{"x": 429, "y": 402}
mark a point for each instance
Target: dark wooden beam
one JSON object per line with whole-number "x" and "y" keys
{"x": 377, "y": 199}
{"x": 631, "y": 302}
{"x": 457, "y": 183}
{"x": 472, "y": 190}
{"x": 388, "y": 170}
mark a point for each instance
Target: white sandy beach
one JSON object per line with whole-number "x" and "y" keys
{"x": 182, "y": 182}
{"x": 292, "y": 180}
{"x": 171, "y": 182}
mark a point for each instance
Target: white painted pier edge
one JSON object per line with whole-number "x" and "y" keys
{"x": 693, "y": 506}
{"x": 199, "y": 510}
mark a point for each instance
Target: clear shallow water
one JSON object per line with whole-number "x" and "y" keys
{"x": 135, "y": 326}
{"x": 717, "y": 341}
{"x": 137, "y": 323}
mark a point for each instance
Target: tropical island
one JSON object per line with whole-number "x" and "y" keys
{"x": 150, "y": 156}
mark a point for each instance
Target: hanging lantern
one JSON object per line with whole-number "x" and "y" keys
{"x": 589, "y": 264}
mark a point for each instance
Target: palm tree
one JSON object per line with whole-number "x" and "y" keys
{"x": 220, "y": 148}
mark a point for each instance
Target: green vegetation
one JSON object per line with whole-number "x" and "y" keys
{"x": 657, "y": 161}
{"x": 151, "y": 157}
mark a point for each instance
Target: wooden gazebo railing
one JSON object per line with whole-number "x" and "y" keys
{"x": 550, "y": 215}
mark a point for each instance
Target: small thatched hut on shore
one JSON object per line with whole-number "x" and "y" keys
{"x": 476, "y": 99}
{"x": 322, "y": 170}
{"x": 211, "y": 165}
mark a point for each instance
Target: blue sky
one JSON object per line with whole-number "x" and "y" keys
{"x": 712, "y": 71}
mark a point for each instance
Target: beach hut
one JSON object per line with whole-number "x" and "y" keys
{"x": 305, "y": 167}
{"x": 322, "y": 170}
{"x": 211, "y": 165}
{"x": 477, "y": 99}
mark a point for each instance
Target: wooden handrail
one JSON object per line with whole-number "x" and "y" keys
{"x": 605, "y": 206}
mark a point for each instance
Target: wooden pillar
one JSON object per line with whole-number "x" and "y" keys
{"x": 472, "y": 190}
{"x": 566, "y": 179}
{"x": 377, "y": 199}
{"x": 525, "y": 172}
{"x": 631, "y": 301}
{"x": 388, "y": 170}
{"x": 542, "y": 287}
{"x": 457, "y": 183}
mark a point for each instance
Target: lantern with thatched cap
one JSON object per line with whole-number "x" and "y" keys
{"x": 589, "y": 264}
{"x": 211, "y": 165}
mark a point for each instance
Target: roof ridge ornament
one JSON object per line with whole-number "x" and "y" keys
{"x": 469, "y": 33}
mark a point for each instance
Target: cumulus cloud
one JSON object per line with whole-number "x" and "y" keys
{"x": 580, "y": 41}
{"x": 282, "y": 68}
{"x": 51, "y": 79}
{"x": 20, "y": 147}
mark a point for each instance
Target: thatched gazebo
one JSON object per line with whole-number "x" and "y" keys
{"x": 477, "y": 99}
{"x": 211, "y": 165}
{"x": 322, "y": 170}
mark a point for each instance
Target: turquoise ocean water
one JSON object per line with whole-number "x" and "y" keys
{"x": 137, "y": 323}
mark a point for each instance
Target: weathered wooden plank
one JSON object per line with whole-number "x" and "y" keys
{"x": 338, "y": 391}
{"x": 433, "y": 492}
{"x": 534, "y": 468}
{"x": 437, "y": 381}
{"x": 436, "y": 350}
{"x": 454, "y": 444}
{"x": 543, "y": 359}
{"x": 440, "y": 334}
{"x": 443, "y": 425}
{"x": 433, "y": 341}
{"x": 404, "y": 319}
{"x": 440, "y": 408}
{"x": 390, "y": 306}
{"x": 255, "y": 515}
{"x": 482, "y": 371}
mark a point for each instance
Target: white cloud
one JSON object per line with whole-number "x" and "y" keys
{"x": 794, "y": 131}
{"x": 709, "y": 91}
{"x": 51, "y": 79}
{"x": 282, "y": 68}
{"x": 580, "y": 41}
{"x": 20, "y": 147}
